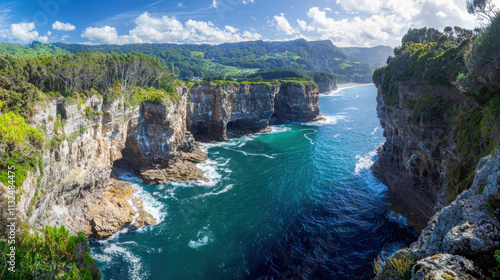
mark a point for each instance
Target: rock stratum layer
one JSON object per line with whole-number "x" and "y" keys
{"x": 224, "y": 111}
{"x": 79, "y": 187}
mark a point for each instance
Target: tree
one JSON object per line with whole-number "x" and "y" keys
{"x": 448, "y": 31}
{"x": 485, "y": 10}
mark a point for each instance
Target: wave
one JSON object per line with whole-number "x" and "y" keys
{"x": 365, "y": 162}
{"x": 111, "y": 252}
{"x": 204, "y": 237}
{"x": 375, "y": 131}
{"x": 226, "y": 189}
{"x": 329, "y": 120}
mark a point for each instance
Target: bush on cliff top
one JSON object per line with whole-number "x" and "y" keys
{"x": 51, "y": 255}
{"x": 429, "y": 59}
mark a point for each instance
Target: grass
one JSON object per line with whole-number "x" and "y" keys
{"x": 395, "y": 267}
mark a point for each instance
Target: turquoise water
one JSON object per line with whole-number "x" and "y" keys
{"x": 297, "y": 203}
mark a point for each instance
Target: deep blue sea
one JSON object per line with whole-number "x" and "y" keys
{"x": 297, "y": 203}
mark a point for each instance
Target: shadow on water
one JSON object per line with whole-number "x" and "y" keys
{"x": 337, "y": 238}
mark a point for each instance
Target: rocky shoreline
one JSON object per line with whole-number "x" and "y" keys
{"x": 79, "y": 184}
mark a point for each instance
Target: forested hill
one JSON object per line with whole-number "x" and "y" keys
{"x": 375, "y": 57}
{"x": 236, "y": 58}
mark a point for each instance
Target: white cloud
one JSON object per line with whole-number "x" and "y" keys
{"x": 214, "y": 4}
{"x": 248, "y": 1}
{"x": 63, "y": 26}
{"x": 231, "y": 29}
{"x": 180, "y": 5}
{"x": 26, "y": 32}
{"x": 374, "y": 22}
{"x": 150, "y": 29}
{"x": 283, "y": 25}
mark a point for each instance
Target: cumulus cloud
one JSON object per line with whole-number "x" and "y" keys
{"x": 63, "y": 26}
{"x": 150, "y": 29}
{"x": 283, "y": 25}
{"x": 25, "y": 31}
{"x": 248, "y": 1}
{"x": 374, "y": 22}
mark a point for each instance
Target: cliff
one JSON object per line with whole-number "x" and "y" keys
{"x": 219, "y": 112}
{"x": 326, "y": 86}
{"x": 420, "y": 147}
{"x": 85, "y": 142}
{"x": 91, "y": 142}
{"x": 438, "y": 104}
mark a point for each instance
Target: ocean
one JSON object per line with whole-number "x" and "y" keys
{"x": 299, "y": 202}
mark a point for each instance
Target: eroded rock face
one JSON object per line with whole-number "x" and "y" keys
{"x": 160, "y": 133}
{"x": 223, "y": 111}
{"x": 419, "y": 148}
{"x": 327, "y": 86}
{"x": 446, "y": 267}
{"x": 296, "y": 103}
{"x": 218, "y": 111}
{"x": 466, "y": 227}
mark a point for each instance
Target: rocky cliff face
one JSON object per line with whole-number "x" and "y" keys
{"x": 75, "y": 188}
{"x": 219, "y": 112}
{"x": 420, "y": 148}
{"x": 90, "y": 143}
{"x": 460, "y": 238}
{"x": 327, "y": 86}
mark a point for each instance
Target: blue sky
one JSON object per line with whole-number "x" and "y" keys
{"x": 345, "y": 22}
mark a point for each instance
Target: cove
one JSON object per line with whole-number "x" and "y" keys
{"x": 299, "y": 202}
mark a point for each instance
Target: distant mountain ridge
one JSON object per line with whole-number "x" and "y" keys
{"x": 190, "y": 60}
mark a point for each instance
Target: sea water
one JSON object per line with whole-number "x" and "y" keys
{"x": 297, "y": 203}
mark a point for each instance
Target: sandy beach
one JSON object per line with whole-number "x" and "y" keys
{"x": 349, "y": 85}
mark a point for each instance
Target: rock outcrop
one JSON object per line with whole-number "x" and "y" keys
{"x": 219, "y": 112}
{"x": 445, "y": 267}
{"x": 90, "y": 143}
{"x": 419, "y": 149}
{"x": 94, "y": 137}
{"x": 460, "y": 236}
{"x": 326, "y": 86}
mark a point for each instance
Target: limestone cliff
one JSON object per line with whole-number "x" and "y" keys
{"x": 326, "y": 86}
{"x": 91, "y": 142}
{"x": 420, "y": 148}
{"x": 219, "y": 112}
{"x": 461, "y": 238}
{"x": 74, "y": 187}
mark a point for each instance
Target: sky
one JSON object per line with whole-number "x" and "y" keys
{"x": 362, "y": 23}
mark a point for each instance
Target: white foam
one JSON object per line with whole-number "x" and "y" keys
{"x": 204, "y": 237}
{"x": 351, "y": 108}
{"x": 375, "y": 131}
{"x": 336, "y": 135}
{"x": 249, "y": 154}
{"x": 226, "y": 189}
{"x": 307, "y": 137}
{"x": 329, "y": 120}
{"x": 364, "y": 162}
{"x": 280, "y": 129}
{"x": 151, "y": 204}
{"x": 135, "y": 270}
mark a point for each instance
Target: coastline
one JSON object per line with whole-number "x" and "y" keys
{"x": 350, "y": 85}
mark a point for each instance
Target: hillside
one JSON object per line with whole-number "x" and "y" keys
{"x": 376, "y": 57}
{"x": 203, "y": 61}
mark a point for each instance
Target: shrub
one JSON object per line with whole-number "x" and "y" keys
{"x": 51, "y": 255}
{"x": 397, "y": 267}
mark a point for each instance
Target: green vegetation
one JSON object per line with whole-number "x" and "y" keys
{"x": 396, "y": 267}
{"x": 460, "y": 61}
{"x": 33, "y": 49}
{"x": 234, "y": 59}
{"x": 22, "y": 147}
{"x": 495, "y": 273}
{"x": 51, "y": 255}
